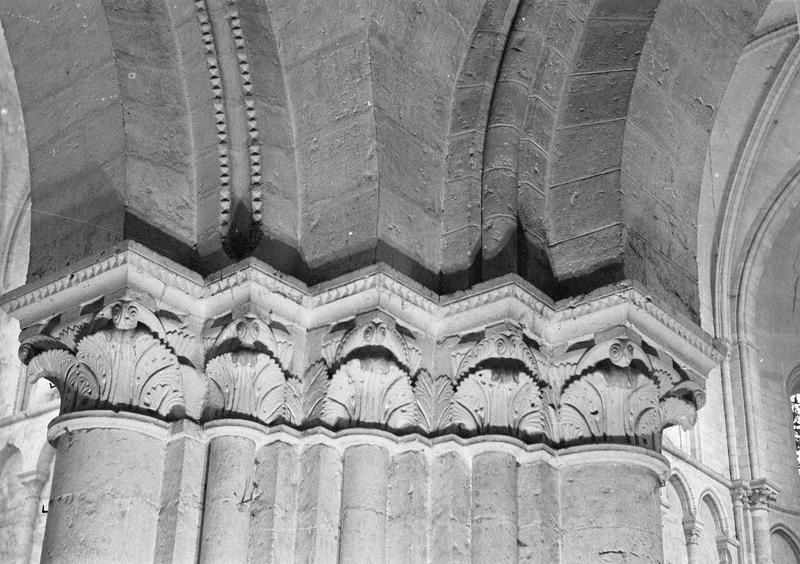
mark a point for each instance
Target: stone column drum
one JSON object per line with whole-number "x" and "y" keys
{"x": 622, "y": 485}
{"x": 760, "y": 494}
{"x": 106, "y": 486}
{"x": 226, "y": 517}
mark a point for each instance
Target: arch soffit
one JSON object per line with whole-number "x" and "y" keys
{"x": 731, "y": 267}
{"x": 14, "y": 236}
{"x": 748, "y": 270}
{"x": 14, "y": 180}
{"x": 728, "y": 149}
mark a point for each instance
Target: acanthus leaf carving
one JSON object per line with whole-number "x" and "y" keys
{"x": 642, "y": 418}
{"x": 305, "y": 397}
{"x": 131, "y": 368}
{"x": 581, "y": 413}
{"x": 245, "y": 383}
{"x": 499, "y": 401}
{"x": 186, "y": 346}
{"x": 434, "y": 401}
{"x": 676, "y": 411}
{"x": 37, "y": 344}
{"x": 370, "y": 391}
{"x": 72, "y": 332}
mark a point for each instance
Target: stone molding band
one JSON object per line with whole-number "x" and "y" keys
{"x": 341, "y": 440}
{"x": 492, "y": 369}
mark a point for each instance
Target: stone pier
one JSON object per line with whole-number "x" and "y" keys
{"x": 245, "y": 416}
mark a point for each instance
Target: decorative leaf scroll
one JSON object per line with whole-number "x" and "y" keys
{"x": 434, "y": 400}
{"x": 186, "y": 346}
{"x": 59, "y": 367}
{"x": 132, "y": 368}
{"x": 503, "y": 346}
{"x": 114, "y": 368}
{"x": 251, "y": 333}
{"x": 129, "y": 357}
{"x": 305, "y": 396}
{"x": 246, "y": 384}
{"x": 379, "y": 334}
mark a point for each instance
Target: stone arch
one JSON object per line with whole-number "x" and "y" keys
{"x": 636, "y": 162}
{"x": 108, "y": 119}
{"x": 793, "y": 381}
{"x": 466, "y": 136}
{"x": 720, "y": 232}
{"x": 15, "y": 254}
{"x": 44, "y": 474}
{"x": 712, "y": 499}
{"x": 257, "y": 167}
{"x": 746, "y": 277}
{"x": 712, "y": 540}
{"x": 675, "y": 514}
{"x": 785, "y": 543}
{"x": 15, "y": 219}
{"x": 748, "y": 196}
{"x": 684, "y": 491}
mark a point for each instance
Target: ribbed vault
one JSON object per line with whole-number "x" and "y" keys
{"x": 456, "y": 141}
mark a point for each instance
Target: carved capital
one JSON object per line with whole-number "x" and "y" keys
{"x": 498, "y": 359}
{"x": 498, "y": 390}
{"x": 617, "y": 391}
{"x": 739, "y": 494}
{"x": 120, "y": 361}
{"x": 245, "y": 384}
{"x": 693, "y": 530}
{"x": 503, "y": 346}
{"x": 433, "y": 397}
{"x": 761, "y": 494}
{"x": 370, "y": 391}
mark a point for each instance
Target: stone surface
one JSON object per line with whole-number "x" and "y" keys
{"x": 582, "y": 174}
{"x": 328, "y": 137}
